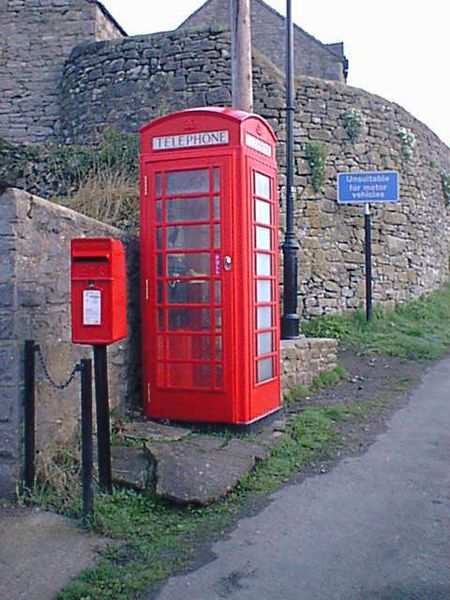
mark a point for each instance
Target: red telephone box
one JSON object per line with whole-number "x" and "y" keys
{"x": 209, "y": 267}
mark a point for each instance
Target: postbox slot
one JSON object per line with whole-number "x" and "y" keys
{"x": 90, "y": 259}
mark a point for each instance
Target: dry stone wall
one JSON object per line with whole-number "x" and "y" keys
{"x": 124, "y": 84}
{"x": 35, "y": 304}
{"x": 37, "y": 36}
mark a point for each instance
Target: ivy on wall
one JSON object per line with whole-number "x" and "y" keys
{"x": 353, "y": 121}
{"x": 316, "y": 155}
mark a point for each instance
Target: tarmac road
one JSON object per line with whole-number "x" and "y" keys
{"x": 377, "y": 527}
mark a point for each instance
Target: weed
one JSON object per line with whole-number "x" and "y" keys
{"x": 108, "y": 196}
{"x": 335, "y": 327}
{"x": 326, "y": 378}
{"x": 353, "y": 121}
{"x": 316, "y": 155}
{"x": 58, "y": 480}
{"x": 296, "y": 392}
{"x": 329, "y": 377}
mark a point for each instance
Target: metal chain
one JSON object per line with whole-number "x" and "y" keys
{"x": 56, "y": 386}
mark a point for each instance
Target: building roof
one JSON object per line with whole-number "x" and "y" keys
{"x": 331, "y": 48}
{"x": 109, "y": 16}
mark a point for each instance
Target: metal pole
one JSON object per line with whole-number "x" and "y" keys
{"x": 241, "y": 55}
{"x": 102, "y": 404}
{"x": 289, "y": 319}
{"x": 368, "y": 255}
{"x": 29, "y": 416}
{"x": 86, "y": 435}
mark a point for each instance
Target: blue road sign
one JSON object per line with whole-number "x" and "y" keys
{"x": 368, "y": 186}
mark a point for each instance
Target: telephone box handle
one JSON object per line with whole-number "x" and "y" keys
{"x": 227, "y": 262}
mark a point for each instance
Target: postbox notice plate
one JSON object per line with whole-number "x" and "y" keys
{"x": 92, "y": 303}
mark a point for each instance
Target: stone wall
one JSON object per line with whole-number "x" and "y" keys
{"x": 304, "y": 359}
{"x": 268, "y": 29}
{"x": 35, "y": 304}
{"x": 36, "y": 38}
{"x": 126, "y": 83}
{"x": 411, "y": 239}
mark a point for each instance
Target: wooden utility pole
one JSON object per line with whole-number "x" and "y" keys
{"x": 241, "y": 55}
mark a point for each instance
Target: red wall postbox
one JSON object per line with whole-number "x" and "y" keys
{"x": 209, "y": 267}
{"x": 98, "y": 291}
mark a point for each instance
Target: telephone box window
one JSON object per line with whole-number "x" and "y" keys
{"x": 216, "y": 176}
{"x": 159, "y": 214}
{"x": 263, "y": 264}
{"x": 264, "y": 343}
{"x": 263, "y": 291}
{"x": 189, "y": 236}
{"x": 263, "y": 238}
{"x": 262, "y": 186}
{"x": 158, "y": 186}
{"x": 194, "y": 319}
{"x": 187, "y": 182}
{"x": 217, "y": 292}
{"x": 196, "y": 264}
{"x": 265, "y": 369}
{"x": 264, "y": 317}
{"x": 188, "y": 209}
{"x": 263, "y": 212}
{"x": 218, "y": 348}
{"x": 202, "y": 376}
{"x": 216, "y": 208}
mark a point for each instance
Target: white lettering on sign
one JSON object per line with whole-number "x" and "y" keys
{"x": 258, "y": 145}
{"x": 92, "y": 307}
{"x": 191, "y": 140}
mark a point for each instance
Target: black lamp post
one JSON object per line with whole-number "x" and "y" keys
{"x": 289, "y": 319}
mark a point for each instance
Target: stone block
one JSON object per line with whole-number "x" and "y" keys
{"x": 129, "y": 467}
{"x": 7, "y": 296}
{"x": 6, "y": 325}
{"x": 9, "y": 478}
{"x": 202, "y": 470}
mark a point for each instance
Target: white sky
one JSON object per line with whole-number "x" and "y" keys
{"x": 398, "y": 49}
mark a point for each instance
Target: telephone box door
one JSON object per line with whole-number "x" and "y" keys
{"x": 265, "y": 344}
{"x": 188, "y": 273}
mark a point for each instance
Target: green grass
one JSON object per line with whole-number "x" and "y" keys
{"x": 415, "y": 330}
{"x": 325, "y": 379}
{"x": 155, "y": 539}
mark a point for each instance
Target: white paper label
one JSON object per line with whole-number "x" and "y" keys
{"x": 92, "y": 306}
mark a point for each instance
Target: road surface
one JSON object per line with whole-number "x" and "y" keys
{"x": 377, "y": 527}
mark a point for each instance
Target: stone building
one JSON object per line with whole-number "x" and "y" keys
{"x": 311, "y": 58}
{"x": 38, "y": 36}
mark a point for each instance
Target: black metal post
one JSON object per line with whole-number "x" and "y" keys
{"x": 289, "y": 319}
{"x": 86, "y": 435}
{"x": 368, "y": 253}
{"x": 102, "y": 404}
{"x": 29, "y": 417}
